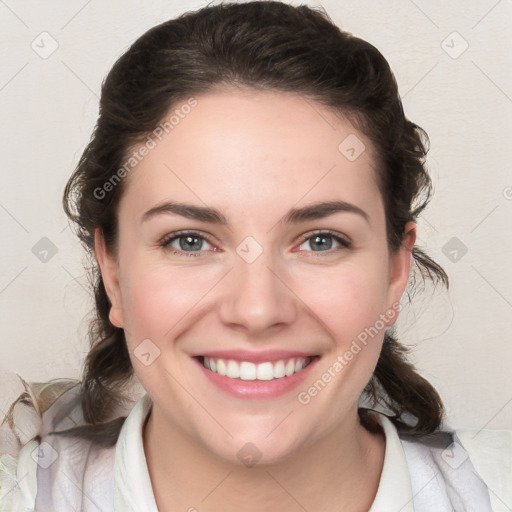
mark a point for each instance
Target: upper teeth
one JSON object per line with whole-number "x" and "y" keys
{"x": 246, "y": 370}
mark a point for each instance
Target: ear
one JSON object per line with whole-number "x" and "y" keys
{"x": 399, "y": 268}
{"x": 109, "y": 273}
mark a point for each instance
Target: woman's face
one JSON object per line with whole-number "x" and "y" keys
{"x": 251, "y": 285}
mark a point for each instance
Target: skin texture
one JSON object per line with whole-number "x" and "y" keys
{"x": 254, "y": 155}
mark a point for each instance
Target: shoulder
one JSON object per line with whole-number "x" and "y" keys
{"x": 20, "y": 437}
{"x": 18, "y": 479}
{"x": 37, "y": 461}
{"x": 468, "y": 469}
{"x": 490, "y": 452}
{"x": 475, "y": 466}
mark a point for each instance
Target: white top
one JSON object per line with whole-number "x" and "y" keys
{"x": 472, "y": 474}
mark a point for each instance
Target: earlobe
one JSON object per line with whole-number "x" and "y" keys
{"x": 108, "y": 269}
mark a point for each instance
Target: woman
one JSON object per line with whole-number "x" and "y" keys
{"x": 250, "y": 195}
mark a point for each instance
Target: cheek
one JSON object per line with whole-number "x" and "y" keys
{"x": 346, "y": 300}
{"x": 155, "y": 300}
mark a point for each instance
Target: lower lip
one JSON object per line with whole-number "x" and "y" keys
{"x": 257, "y": 388}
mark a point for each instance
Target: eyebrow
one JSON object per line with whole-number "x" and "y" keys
{"x": 313, "y": 211}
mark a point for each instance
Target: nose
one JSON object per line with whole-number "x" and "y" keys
{"x": 258, "y": 296}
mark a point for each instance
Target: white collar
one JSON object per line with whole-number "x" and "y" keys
{"x": 394, "y": 492}
{"x": 130, "y": 464}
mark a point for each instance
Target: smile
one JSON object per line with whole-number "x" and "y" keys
{"x": 246, "y": 370}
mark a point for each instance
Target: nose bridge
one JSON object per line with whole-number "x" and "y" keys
{"x": 256, "y": 297}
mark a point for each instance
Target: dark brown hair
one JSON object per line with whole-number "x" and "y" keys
{"x": 264, "y": 45}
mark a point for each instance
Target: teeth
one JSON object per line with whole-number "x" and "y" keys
{"x": 279, "y": 370}
{"x": 233, "y": 371}
{"x": 246, "y": 370}
{"x": 221, "y": 367}
{"x": 265, "y": 371}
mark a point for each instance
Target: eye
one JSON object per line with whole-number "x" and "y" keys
{"x": 322, "y": 241}
{"x": 189, "y": 243}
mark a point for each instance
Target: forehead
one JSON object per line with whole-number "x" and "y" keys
{"x": 251, "y": 147}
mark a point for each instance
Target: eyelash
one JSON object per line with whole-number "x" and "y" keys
{"x": 167, "y": 240}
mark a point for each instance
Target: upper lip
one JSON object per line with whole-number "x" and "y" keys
{"x": 254, "y": 356}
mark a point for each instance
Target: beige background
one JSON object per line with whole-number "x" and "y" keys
{"x": 462, "y": 340}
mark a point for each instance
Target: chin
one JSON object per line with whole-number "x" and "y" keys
{"x": 256, "y": 448}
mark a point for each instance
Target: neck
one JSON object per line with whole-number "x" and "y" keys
{"x": 339, "y": 472}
